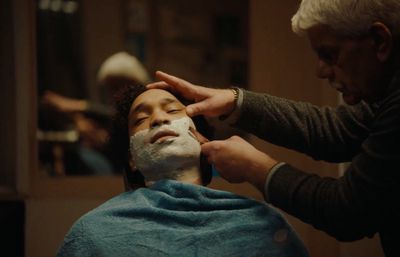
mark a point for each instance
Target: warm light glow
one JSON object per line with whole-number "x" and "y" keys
{"x": 68, "y": 7}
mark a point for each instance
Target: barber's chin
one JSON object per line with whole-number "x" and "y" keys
{"x": 351, "y": 99}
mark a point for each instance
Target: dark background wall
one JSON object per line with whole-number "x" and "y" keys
{"x": 12, "y": 215}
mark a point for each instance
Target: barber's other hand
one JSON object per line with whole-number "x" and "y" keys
{"x": 238, "y": 161}
{"x": 209, "y": 102}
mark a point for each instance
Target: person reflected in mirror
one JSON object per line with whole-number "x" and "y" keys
{"x": 91, "y": 120}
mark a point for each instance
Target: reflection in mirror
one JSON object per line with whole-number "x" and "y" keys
{"x": 87, "y": 50}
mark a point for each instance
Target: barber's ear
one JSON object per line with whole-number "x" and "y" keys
{"x": 383, "y": 40}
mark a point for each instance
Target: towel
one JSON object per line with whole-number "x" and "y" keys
{"x": 172, "y": 218}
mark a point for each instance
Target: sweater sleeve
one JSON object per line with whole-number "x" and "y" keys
{"x": 330, "y": 134}
{"x": 360, "y": 202}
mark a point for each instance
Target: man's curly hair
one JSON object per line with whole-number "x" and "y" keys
{"x": 119, "y": 137}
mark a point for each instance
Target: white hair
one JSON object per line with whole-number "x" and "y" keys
{"x": 123, "y": 65}
{"x": 347, "y": 17}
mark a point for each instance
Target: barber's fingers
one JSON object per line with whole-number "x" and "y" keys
{"x": 211, "y": 147}
{"x": 175, "y": 82}
{"x": 204, "y": 107}
{"x": 183, "y": 87}
{"x": 226, "y": 149}
{"x": 159, "y": 85}
{"x": 162, "y": 85}
{"x": 209, "y": 152}
{"x": 201, "y": 96}
{"x": 209, "y": 102}
{"x": 225, "y": 159}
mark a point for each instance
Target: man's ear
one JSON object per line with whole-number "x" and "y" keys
{"x": 132, "y": 164}
{"x": 383, "y": 40}
{"x": 133, "y": 178}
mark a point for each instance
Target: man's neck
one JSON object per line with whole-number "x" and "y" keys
{"x": 189, "y": 173}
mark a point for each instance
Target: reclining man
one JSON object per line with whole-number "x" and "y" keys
{"x": 169, "y": 212}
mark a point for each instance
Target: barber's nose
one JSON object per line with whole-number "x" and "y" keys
{"x": 324, "y": 70}
{"x": 159, "y": 119}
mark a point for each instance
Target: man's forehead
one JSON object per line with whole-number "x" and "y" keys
{"x": 153, "y": 97}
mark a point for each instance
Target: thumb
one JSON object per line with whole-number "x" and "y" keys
{"x": 206, "y": 148}
{"x": 199, "y": 108}
{"x": 206, "y": 107}
{"x": 211, "y": 147}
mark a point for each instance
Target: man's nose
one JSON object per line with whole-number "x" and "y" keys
{"x": 159, "y": 119}
{"x": 324, "y": 70}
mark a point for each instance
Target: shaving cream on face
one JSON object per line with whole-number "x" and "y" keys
{"x": 177, "y": 157}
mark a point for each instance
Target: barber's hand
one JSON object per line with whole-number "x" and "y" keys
{"x": 238, "y": 161}
{"x": 209, "y": 102}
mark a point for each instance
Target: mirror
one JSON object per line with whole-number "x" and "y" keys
{"x": 201, "y": 41}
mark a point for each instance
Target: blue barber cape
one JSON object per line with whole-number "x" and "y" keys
{"x": 177, "y": 219}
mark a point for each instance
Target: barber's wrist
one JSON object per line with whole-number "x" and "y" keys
{"x": 235, "y": 92}
{"x": 260, "y": 173}
{"x": 270, "y": 175}
{"x": 233, "y": 109}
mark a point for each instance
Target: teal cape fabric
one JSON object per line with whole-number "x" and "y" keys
{"x": 176, "y": 219}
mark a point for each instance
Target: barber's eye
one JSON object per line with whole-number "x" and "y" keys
{"x": 326, "y": 56}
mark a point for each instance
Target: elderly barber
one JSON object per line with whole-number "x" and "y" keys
{"x": 357, "y": 44}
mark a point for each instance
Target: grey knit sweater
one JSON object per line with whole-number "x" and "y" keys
{"x": 362, "y": 202}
